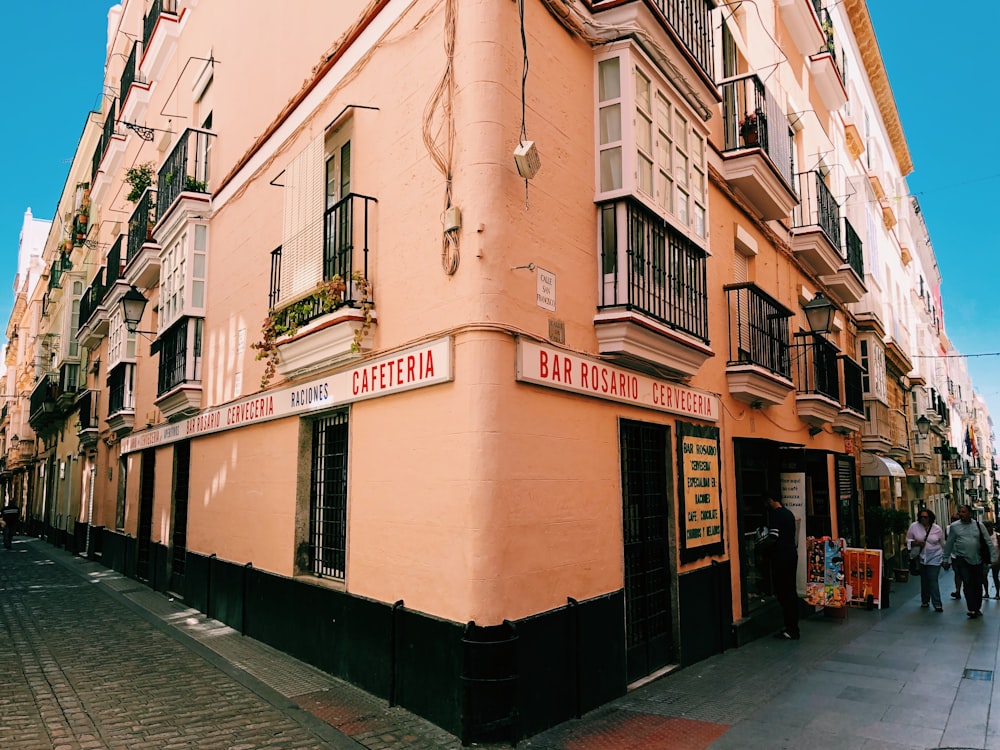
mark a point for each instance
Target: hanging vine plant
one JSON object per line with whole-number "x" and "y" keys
{"x": 286, "y": 321}
{"x": 139, "y": 178}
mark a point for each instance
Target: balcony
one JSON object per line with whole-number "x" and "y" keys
{"x": 331, "y": 323}
{"x": 21, "y": 454}
{"x": 121, "y": 398}
{"x": 801, "y": 18}
{"x": 875, "y": 437}
{"x": 816, "y": 226}
{"x": 688, "y": 23}
{"x": 757, "y": 158}
{"x": 93, "y": 316}
{"x": 825, "y": 69}
{"x": 653, "y": 307}
{"x": 816, "y": 380}
{"x": 182, "y": 184}
{"x": 179, "y": 376}
{"x": 44, "y": 415}
{"x": 69, "y": 385}
{"x": 921, "y": 449}
{"x": 759, "y": 367}
{"x": 142, "y": 254}
{"x": 847, "y": 284}
{"x": 108, "y": 154}
{"x": 134, "y": 91}
{"x": 851, "y": 417}
{"x": 87, "y": 428}
{"x": 115, "y": 284}
{"x": 160, "y": 31}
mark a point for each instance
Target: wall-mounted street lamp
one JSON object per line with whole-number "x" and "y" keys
{"x": 923, "y": 425}
{"x": 819, "y": 313}
{"x": 133, "y": 305}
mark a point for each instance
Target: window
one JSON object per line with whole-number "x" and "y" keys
{"x": 328, "y": 497}
{"x": 648, "y": 145}
{"x": 182, "y": 275}
{"x": 180, "y": 354}
{"x": 121, "y": 388}
{"x": 121, "y": 343}
{"x": 317, "y": 238}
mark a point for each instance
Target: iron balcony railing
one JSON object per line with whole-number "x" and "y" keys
{"x": 43, "y": 397}
{"x": 651, "y": 268}
{"x": 817, "y": 206}
{"x": 854, "y": 249}
{"x": 180, "y": 355}
{"x": 92, "y": 296}
{"x": 120, "y": 389}
{"x": 156, "y": 9}
{"x": 115, "y": 265}
{"x": 690, "y": 21}
{"x": 816, "y": 367}
{"x": 758, "y": 329}
{"x": 87, "y": 410}
{"x": 275, "y": 290}
{"x": 140, "y": 225}
{"x": 106, "y": 133}
{"x": 828, "y": 42}
{"x": 130, "y": 73}
{"x": 345, "y": 253}
{"x": 854, "y": 392}
{"x": 752, "y": 118}
{"x": 184, "y": 170}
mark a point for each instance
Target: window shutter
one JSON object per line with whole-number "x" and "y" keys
{"x": 302, "y": 240}
{"x": 741, "y": 274}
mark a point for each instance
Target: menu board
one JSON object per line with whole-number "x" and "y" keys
{"x": 700, "y": 493}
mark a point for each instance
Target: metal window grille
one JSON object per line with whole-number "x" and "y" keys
{"x": 328, "y": 497}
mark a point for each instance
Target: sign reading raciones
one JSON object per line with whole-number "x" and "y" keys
{"x": 416, "y": 367}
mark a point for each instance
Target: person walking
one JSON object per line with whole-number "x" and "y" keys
{"x": 957, "y": 593}
{"x": 964, "y": 537}
{"x": 784, "y": 566}
{"x": 10, "y": 515}
{"x": 925, "y": 540}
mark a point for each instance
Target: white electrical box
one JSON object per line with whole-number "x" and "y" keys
{"x": 452, "y": 218}
{"x": 527, "y": 160}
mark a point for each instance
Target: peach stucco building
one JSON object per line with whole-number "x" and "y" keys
{"x": 465, "y": 365}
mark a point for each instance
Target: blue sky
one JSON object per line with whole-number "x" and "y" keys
{"x": 938, "y": 64}
{"x": 52, "y": 56}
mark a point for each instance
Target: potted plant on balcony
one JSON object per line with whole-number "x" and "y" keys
{"x": 330, "y": 295}
{"x": 139, "y": 178}
{"x": 750, "y": 127}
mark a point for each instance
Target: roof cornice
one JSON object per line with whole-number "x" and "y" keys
{"x": 871, "y": 56}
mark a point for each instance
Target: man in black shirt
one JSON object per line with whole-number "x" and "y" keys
{"x": 10, "y": 518}
{"x": 784, "y": 566}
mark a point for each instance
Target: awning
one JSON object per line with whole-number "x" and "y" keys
{"x": 879, "y": 466}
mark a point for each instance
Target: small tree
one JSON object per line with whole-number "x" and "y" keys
{"x": 139, "y": 178}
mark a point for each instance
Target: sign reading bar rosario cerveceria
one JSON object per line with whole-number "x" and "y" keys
{"x": 555, "y": 368}
{"x": 416, "y": 367}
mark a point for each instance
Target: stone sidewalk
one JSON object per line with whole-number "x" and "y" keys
{"x": 81, "y": 635}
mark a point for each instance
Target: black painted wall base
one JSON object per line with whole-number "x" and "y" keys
{"x": 499, "y": 682}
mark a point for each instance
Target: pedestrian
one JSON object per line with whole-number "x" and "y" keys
{"x": 784, "y": 566}
{"x": 964, "y": 537}
{"x": 994, "y": 569}
{"x": 10, "y": 515}
{"x": 957, "y": 593}
{"x": 925, "y": 540}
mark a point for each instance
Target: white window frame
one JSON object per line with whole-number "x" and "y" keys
{"x": 661, "y": 149}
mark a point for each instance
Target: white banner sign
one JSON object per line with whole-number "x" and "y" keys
{"x": 416, "y": 367}
{"x": 556, "y": 368}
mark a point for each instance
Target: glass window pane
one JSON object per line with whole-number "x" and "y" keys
{"x": 644, "y": 134}
{"x": 611, "y": 169}
{"x": 611, "y": 123}
{"x": 198, "y": 294}
{"x": 645, "y": 175}
{"x": 699, "y": 220}
{"x": 681, "y": 173}
{"x": 665, "y": 194}
{"x": 642, "y": 94}
{"x": 609, "y": 79}
{"x": 682, "y": 206}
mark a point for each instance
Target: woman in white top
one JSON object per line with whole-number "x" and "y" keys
{"x": 925, "y": 539}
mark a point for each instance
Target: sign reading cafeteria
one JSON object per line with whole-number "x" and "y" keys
{"x": 556, "y": 368}
{"x": 416, "y": 367}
